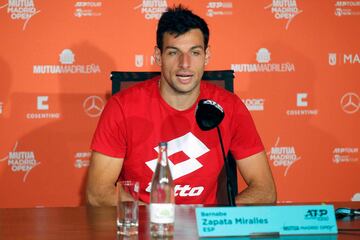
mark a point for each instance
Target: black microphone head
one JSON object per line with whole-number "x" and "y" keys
{"x": 208, "y": 114}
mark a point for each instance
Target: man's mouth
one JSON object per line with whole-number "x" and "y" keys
{"x": 184, "y": 76}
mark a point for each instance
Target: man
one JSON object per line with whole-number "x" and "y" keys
{"x": 135, "y": 120}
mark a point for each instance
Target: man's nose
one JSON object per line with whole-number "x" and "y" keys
{"x": 184, "y": 60}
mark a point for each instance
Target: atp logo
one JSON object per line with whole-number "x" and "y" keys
{"x": 193, "y": 148}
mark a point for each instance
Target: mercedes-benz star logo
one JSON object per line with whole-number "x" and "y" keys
{"x": 350, "y": 103}
{"x": 93, "y": 106}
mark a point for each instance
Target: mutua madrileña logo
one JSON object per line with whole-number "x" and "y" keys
{"x": 263, "y": 64}
{"x": 67, "y": 66}
{"x": 21, "y": 10}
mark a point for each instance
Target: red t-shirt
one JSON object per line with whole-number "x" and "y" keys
{"x": 136, "y": 119}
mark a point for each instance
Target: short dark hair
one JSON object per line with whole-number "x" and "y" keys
{"x": 179, "y": 20}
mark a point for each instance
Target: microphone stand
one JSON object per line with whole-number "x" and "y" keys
{"x": 231, "y": 198}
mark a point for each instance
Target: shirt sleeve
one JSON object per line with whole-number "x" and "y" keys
{"x": 245, "y": 140}
{"x": 109, "y": 136}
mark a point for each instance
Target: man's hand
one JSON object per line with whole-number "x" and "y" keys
{"x": 257, "y": 174}
{"x": 103, "y": 174}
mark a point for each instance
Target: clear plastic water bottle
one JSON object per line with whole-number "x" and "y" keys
{"x": 162, "y": 199}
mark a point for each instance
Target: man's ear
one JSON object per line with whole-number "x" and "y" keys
{"x": 207, "y": 55}
{"x": 157, "y": 55}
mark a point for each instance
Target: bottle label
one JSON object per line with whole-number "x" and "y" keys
{"x": 162, "y": 212}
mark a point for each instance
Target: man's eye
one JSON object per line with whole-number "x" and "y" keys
{"x": 196, "y": 53}
{"x": 172, "y": 53}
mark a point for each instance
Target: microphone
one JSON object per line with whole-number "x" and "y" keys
{"x": 209, "y": 115}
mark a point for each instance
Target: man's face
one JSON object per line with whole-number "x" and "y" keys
{"x": 182, "y": 62}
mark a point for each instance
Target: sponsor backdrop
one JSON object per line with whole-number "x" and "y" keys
{"x": 297, "y": 67}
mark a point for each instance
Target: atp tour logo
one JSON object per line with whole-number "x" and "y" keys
{"x": 345, "y": 155}
{"x": 283, "y": 156}
{"x": 21, "y": 161}
{"x": 263, "y": 58}
{"x": 152, "y": 9}
{"x": 284, "y": 9}
{"x": 218, "y": 9}
{"x": 317, "y": 214}
{"x": 82, "y": 159}
{"x": 347, "y": 8}
{"x": 67, "y": 59}
{"x": 86, "y": 9}
{"x": 21, "y": 10}
{"x": 193, "y": 148}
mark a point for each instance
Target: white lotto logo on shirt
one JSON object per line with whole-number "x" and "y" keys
{"x": 21, "y": 10}
{"x": 283, "y": 156}
{"x": 345, "y": 155}
{"x": 263, "y": 64}
{"x": 219, "y": 9}
{"x": 67, "y": 60}
{"x": 20, "y": 161}
{"x": 152, "y": 9}
{"x": 284, "y": 9}
{"x": 193, "y": 148}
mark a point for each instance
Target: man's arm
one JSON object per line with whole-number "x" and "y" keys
{"x": 102, "y": 176}
{"x": 257, "y": 174}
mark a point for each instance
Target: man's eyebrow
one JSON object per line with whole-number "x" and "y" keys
{"x": 192, "y": 48}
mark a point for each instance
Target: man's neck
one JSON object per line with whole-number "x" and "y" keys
{"x": 179, "y": 101}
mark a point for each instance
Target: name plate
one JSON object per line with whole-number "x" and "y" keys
{"x": 265, "y": 220}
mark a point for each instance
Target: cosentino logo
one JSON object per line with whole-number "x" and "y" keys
{"x": 67, "y": 66}
{"x": 284, "y": 9}
{"x": 21, "y": 161}
{"x": 263, "y": 64}
{"x": 152, "y": 9}
{"x": 283, "y": 156}
{"x": 21, "y": 10}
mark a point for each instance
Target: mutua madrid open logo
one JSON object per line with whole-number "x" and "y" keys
{"x": 21, "y": 10}
{"x": 67, "y": 60}
{"x": 263, "y": 58}
{"x": 283, "y": 156}
{"x": 21, "y": 161}
{"x": 284, "y": 9}
{"x": 152, "y": 9}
